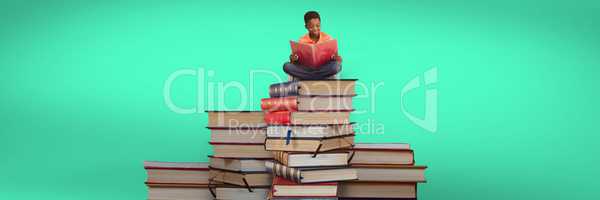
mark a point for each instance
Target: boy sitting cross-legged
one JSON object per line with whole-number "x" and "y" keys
{"x": 296, "y": 71}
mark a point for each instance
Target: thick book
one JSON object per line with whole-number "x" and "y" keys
{"x": 271, "y": 197}
{"x": 327, "y": 87}
{"x": 183, "y": 173}
{"x": 307, "y": 103}
{"x": 235, "y": 119}
{"x": 382, "y": 154}
{"x": 310, "y": 131}
{"x": 239, "y": 164}
{"x": 309, "y": 144}
{"x": 237, "y": 135}
{"x": 240, "y": 178}
{"x": 240, "y": 150}
{"x": 307, "y": 118}
{"x": 179, "y": 193}
{"x": 311, "y": 175}
{"x": 314, "y": 55}
{"x": 299, "y": 159}
{"x": 378, "y": 190}
{"x": 390, "y": 173}
{"x": 286, "y": 188}
{"x": 231, "y": 192}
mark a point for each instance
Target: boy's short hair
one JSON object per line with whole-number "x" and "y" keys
{"x": 311, "y": 15}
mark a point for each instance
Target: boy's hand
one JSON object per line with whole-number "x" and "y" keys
{"x": 336, "y": 57}
{"x": 294, "y": 58}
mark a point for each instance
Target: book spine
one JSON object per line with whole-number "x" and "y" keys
{"x": 284, "y": 172}
{"x": 278, "y": 117}
{"x": 279, "y": 104}
{"x": 283, "y": 89}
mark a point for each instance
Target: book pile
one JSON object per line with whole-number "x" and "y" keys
{"x": 237, "y": 166}
{"x": 300, "y": 146}
{"x": 385, "y": 171}
{"x": 309, "y": 132}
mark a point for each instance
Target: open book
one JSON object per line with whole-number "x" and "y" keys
{"x": 314, "y": 55}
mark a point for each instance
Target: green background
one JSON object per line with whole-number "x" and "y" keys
{"x": 82, "y": 103}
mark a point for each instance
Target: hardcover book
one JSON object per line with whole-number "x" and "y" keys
{"x": 309, "y": 144}
{"x": 390, "y": 173}
{"x": 231, "y": 192}
{"x": 241, "y": 178}
{"x": 378, "y": 190}
{"x": 235, "y": 119}
{"x": 382, "y": 154}
{"x": 314, "y": 55}
{"x": 307, "y": 118}
{"x": 237, "y": 135}
{"x": 309, "y": 131}
{"x": 311, "y": 175}
{"x": 240, "y": 150}
{"x": 300, "y": 159}
{"x": 187, "y": 173}
{"x": 239, "y": 164}
{"x": 327, "y": 87}
{"x": 286, "y": 188}
{"x": 179, "y": 193}
{"x": 307, "y": 103}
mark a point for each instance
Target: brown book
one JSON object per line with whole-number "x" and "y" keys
{"x": 271, "y": 197}
{"x": 239, "y": 178}
{"x": 235, "y": 135}
{"x": 230, "y": 192}
{"x": 382, "y": 153}
{"x": 238, "y": 150}
{"x": 390, "y": 173}
{"x": 307, "y": 118}
{"x": 309, "y": 144}
{"x": 309, "y": 131}
{"x": 311, "y": 175}
{"x": 373, "y": 190}
{"x": 286, "y": 188}
{"x": 235, "y": 119}
{"x": 324, "y": 159}
{"x": 239, "y": 164}
{"x": 179, "y": 193}
{"x": 183, "y": 173}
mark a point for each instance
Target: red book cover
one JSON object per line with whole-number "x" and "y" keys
{"x": 278, "y": 117}
{"x": 279, "y": 104}
{"x": 314, "y": 55}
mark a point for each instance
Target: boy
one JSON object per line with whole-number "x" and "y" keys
{"x": 312, "y": 23}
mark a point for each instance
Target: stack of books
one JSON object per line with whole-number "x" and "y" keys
{"x": 177, "y": 180}
{"x": 309, "y": 132}
{"x": 385, "y": 171}
{"x": 237, "y": 165}
{"x": 300, "y": 146}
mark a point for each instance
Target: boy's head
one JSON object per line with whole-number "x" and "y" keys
{"x": 312, "y": 22}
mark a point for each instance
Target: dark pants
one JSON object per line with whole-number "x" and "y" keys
{"x": 308, "y": 73}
